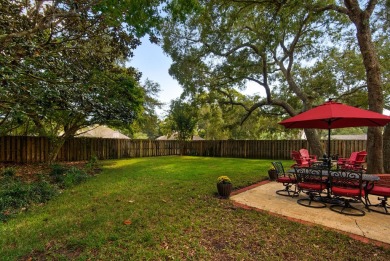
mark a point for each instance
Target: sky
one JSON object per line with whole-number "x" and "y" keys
{"x": 154, "y": 64}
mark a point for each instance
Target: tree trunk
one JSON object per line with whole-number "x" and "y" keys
{"x": 386, "y": 149}
{"x": 314, "y": 142}
{"x": 182, "y": 147}
{"x": 56, "y": 144}
{"x": 361, "y": 19}
{"x": 374, "y": 150}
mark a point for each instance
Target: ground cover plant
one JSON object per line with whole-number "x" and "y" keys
{"x": 167, "y": 208}
{"x": 19, "y": 189}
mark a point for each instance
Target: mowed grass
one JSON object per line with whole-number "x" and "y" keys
{"x": 173, "y": 212}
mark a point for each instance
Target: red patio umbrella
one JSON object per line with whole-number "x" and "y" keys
{"x": 333, "y": 115}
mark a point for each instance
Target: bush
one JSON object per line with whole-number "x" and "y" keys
{"x": 67, "y": 177}
{"x": 42, "y": 191}
{"x": 73, "y": 176}
{"x": 8, "y": 172}
{"x": 93, "y": 160}
{"x": 57, "y": 173}
{"x": 15, "y": 194}
{"x": 92, "y": 165}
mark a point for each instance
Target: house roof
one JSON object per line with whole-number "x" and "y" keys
{"x": 341, "y": 137}
{"x": 101, "y": 132}
{"x": 349, "y": 137}
{"x": 174, "y": 137}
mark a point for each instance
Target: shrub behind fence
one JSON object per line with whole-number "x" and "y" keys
{"x": 22, "y": 149}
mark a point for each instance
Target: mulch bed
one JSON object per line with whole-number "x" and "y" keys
{"x": 29, "y": 172}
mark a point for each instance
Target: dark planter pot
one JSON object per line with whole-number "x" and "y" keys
{"x": 224, "y": 190}
{"x": 272, "y": 175}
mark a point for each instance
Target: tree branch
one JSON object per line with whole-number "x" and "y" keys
{"x": 332, "y": 7}
{"x": 276, "y": 102}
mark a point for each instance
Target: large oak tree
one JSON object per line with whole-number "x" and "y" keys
{"x": 273, "y": 43}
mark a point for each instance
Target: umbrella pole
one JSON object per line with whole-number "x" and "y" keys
{"x": 329, "y": 158}
{"x": 328, "y": 143}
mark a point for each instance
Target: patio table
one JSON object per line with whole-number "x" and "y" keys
{"x": 367, "y": 178}
{"x": 325, "y": 173}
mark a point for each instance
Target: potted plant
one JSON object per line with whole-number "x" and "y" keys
{"x": 272, "y": 173}
{"x": 224, "y": 186}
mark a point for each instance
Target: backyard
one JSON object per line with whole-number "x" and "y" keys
{"x": 164, "y": 208}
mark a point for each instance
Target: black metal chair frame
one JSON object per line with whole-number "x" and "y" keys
{"x": 343, "y": 182}
{"x": 382, "y": 204}
{"x": 287, "y": 191}
{"x": 311, "y": 182}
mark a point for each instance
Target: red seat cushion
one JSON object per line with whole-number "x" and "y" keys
{"x": 312, "y": 186}
{"x": 347, "y": 192}
{"x": 380, "y": 191}
{"x": 315, "y": 180}
{"x": 352, "y": 184}
{"x": 286, "y": 180}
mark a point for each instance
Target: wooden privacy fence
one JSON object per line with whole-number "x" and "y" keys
{"x": 21, "y": 149}
{"x": 266, "y": 149}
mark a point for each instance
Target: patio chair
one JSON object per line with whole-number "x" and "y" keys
{"x": 287, "y": 179}
{"x": 346, "y": 188}
{"x": 342, "y": 162}
{"x": 306, "y": 156}
{"x": 358, "y": 163}
{"x": 300, "y": 162}
{"x": 383, "y": 193}
{"x": 311, "y": 182}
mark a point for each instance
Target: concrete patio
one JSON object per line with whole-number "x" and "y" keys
{"x": 373, "y": 227}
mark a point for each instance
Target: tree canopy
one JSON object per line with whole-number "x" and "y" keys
{"x": 182, "y": 119}
{"x": 62, "y": 68}
{"x": 300, "y": 54}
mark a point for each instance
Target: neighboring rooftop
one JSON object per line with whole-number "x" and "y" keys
{"x": 174, "y": 137}
{"x": 349, "y": 137}
{"x": 101, "y": 132}
{"x": 340, "y": 137}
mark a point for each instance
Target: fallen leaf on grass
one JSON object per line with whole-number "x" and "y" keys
{"x": 127, "y": 222}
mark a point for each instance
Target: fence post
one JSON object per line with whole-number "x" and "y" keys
{"x": 118, "y": 153}
{"x": 245, "y": 146}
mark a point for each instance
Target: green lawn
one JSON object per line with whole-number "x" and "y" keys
{"x": 175, "y": 213}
